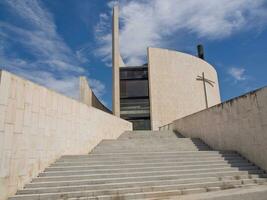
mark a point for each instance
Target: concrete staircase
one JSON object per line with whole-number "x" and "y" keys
{"x": 143, "y": 165}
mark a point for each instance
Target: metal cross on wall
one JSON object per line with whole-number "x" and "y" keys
{"x": 204, "y": 80}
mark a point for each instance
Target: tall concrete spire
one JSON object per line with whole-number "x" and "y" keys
{"x": 116, "y": 62}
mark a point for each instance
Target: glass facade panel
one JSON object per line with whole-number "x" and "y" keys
{"x": 133, "y": 88}
{"x": 135, "y": 108}
{"x": 134, "y": 97}
{"x": 134, "y": 74}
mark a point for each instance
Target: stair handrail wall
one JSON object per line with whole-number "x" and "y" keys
{"x": 167, "y": 127}
{"x": 239, "y": 124}
{"x": 38, "y": 125}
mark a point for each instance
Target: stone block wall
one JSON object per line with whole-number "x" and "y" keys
{"x": 38, "y": 125}
{"x": 239, "y": 124}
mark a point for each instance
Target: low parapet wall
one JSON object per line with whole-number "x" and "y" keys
{"x": 38, "y": 125}
{"x": 239, "y": 124}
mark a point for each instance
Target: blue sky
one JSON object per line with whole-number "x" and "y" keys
{"x": 53, "y": 42}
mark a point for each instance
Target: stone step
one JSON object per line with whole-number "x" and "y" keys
{"x": 210, "y": 152}
{"x": 119, "y": 166}
{"x": 150, "y": 153}
{"x": 154, "y": 134}
{"x": 141, "y": 169}
{"x": 150, "y": 136}
{"x": 141, "y": 179}
{"x": 152, "y": 148}
{"x": 110, "y": 162}
{"x": 81, "y": 180}
{"x": 156, "y": 148}
{"x": 187, "y": 182}
{"x": 183, "y": 188}
{"x": 138, "y": 157}
{"x": 153, "y": 182}
{"x": 142, "y": 174}
{"x": 149, "y": 144}
{"x": 153, "y": 140}
{"x": 125, "y": 159}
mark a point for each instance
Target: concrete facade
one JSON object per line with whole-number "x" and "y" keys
{"x": 116, "y": 61}
{"x": 174, "y": 90}
{"x": 239, "y": 124}
{"x": 38, "y": 125}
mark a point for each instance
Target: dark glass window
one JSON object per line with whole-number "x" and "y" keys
{"x": 135, "y": 108}
{"x": 134, "y": 97}
{"x": 133, "y": 88}
{"x": 134, "y": 74}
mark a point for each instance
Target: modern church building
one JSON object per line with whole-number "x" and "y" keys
{"x": 55, "y": 147}
{"x": 171, "y": 85}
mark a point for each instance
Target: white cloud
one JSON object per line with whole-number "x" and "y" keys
{"x": 238, "y": 73}
{"x": 98, "y": 87}
{"x": 113, "y": 3}
{"x": 54, "y": 64}
{"x": 67, "y": 85}
{"x": 149, "y": 23}
{"x": 38, "y": 35}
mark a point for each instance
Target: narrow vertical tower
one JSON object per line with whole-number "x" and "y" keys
{"x": 116, "y": 63}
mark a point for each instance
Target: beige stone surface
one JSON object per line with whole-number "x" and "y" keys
{"x": 239, "y": 124}
{"x": 85, "y": 92}
{"x": 252, "y": 193}
{"x": 174, "y": 90}
{"x": 116, "y": 61}
{"x": 38, "y": 125}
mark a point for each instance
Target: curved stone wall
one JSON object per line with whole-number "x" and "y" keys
{"x": 174, "y": 90}
{"x": 88, "y": 97}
